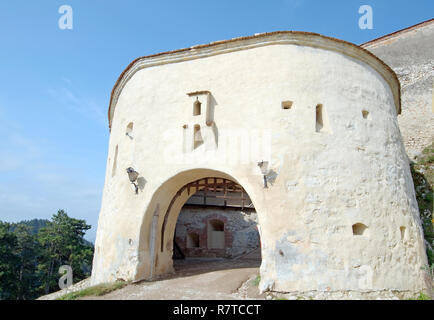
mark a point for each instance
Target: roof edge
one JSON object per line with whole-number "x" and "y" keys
{"x": 257, "y": 40}
{"x": 397, "y": 33}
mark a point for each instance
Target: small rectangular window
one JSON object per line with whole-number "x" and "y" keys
{"x": 287, "y": 105}
{"x": 366, "y": 114}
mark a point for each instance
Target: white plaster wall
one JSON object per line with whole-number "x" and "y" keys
{"x": 320, "y": 183}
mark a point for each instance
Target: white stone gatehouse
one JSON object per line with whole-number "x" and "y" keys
{"x": 336, "y": 208}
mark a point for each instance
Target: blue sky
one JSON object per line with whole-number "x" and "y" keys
{"x": 55, "y": 84}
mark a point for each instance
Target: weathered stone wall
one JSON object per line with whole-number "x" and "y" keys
{"x": 241, "y": 234}
{"x": 410, "y": 54}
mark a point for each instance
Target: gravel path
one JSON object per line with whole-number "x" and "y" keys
{"x": 198, "y": 279}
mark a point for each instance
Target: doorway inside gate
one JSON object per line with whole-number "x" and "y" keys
{"x": 217, "y": 228}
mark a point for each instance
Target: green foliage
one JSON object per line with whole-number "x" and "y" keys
{"x": 421, "y": 296}
{"x": 33, "y": 225}
{"x": 257, "y": 281}
{"x": 31, "y": 253}
{"x": 423, "y": 177}
{"x": 62, "y": 243}
{"x": 28, "y": 251}
{"x": 98, "y": 290}
{"x": 8, "y": 262}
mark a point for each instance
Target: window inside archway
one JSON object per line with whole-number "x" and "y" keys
{"x": 216, "y": 234}
{"x": 193, "y": 240}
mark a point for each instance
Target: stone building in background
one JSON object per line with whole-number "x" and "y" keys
{"x": 410, "y": 53}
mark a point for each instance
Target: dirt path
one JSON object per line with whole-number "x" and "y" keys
{"x": 198, "y": 279}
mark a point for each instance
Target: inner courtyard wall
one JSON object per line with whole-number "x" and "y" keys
{"x": 240, "y": 231}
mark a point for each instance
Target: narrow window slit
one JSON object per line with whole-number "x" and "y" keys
{"x": 321, "y": 123}
{"x": 402, "y": 230}
{"x": 319, "y": 118}
{"x": 197, "y": 107}
{"x": 197, "y": 137}
{"x": 129, "y": 130}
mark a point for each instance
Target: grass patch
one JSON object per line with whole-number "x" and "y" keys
{"x": 421, "y": 296}
{"x": 98, "y": 290}
{"x": 422, "y": 171}
{"x": 256, "y": 281}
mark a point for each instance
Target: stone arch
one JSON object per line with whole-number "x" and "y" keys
{"x": 159, "y": 221}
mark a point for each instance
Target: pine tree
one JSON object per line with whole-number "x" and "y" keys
{"x": 28, "y": 251}
{"x": 8, "y": 262}
{"x": 62, "y": 243}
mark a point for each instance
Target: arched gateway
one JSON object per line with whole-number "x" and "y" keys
{"x": 305, "y": 125}
{"x": 157, "y": 233}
